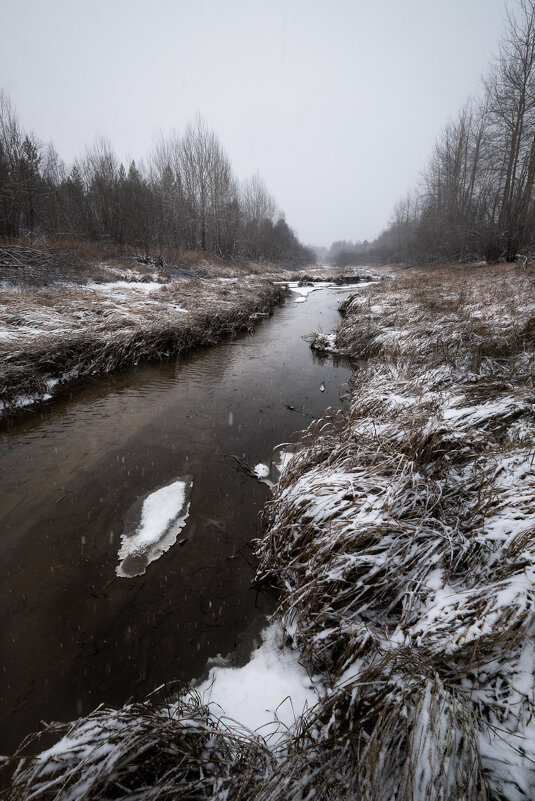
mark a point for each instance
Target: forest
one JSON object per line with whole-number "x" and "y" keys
{"x": 475, "y": 197}
{"x": 183, "y": 196}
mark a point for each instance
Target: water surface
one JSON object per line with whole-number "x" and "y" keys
{"x": 74, "y": 634}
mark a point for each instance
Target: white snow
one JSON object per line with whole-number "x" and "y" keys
{"x": 163, "y": 516}
{"x": 284, "y": 458}
{"x": 304, "y": 291}
{"x": 268, "y": 694}
{"x": 261, "y": 470}
{"x": 140, "y": 286}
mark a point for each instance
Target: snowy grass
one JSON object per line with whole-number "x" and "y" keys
{"x": 402, "y": 538}
{"x": 50, "y": 334}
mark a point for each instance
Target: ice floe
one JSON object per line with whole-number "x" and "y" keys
{"x": 153, "y": 526}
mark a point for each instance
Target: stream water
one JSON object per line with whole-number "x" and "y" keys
{"x": 72, "y": 633}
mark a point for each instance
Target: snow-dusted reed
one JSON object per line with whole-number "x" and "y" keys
{"x": 402, "y": 538}
{"x": 50, "y": 334}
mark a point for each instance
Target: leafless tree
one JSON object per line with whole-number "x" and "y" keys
{"x": 186, "y": 197}
{"x": 477, "y": 191}
{"x": 510, "y": 90}
{"x": 207, "y": 179}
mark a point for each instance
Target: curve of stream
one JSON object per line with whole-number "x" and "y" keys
{"x": 74, "y": 633}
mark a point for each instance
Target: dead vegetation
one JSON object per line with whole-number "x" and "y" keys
{"x": 341, "y": 277}
{"x": 402, "y": 538}
{"x": 53, "y": 331}
{"x": 148, "y": 752}
{"x": 47, "y": 261}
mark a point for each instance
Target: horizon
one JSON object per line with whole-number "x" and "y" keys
{"x": 337, "y": 109}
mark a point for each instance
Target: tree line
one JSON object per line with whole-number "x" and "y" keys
{"x": 184, "y": 195}
{"x": 476, "y": 198}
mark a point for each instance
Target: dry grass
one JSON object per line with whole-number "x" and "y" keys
{"x": 56, "y": 332}
{"x": 403, "y": 535}
{"x": 47, "y": 261}
{"x": 141, "y": 751}
{"x": 402, "y": 538}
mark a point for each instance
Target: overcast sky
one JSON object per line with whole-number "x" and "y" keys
{"x": 336, "y": 103}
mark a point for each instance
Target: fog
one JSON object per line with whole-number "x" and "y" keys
{"x": 336, "y": 104}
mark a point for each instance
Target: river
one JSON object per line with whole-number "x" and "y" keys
{"x": 73, "y": 634}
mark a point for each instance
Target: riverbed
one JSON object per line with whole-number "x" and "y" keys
{"x": 73, "y": 633}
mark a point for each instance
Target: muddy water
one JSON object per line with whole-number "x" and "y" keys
{"x": 72, "y": 633}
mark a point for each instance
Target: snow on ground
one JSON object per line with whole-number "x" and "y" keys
{"x": 304, "y": 291}
{"x": 163, "y": 516}
{"x": 138, "y": 286}
{"x": 63, "y": 330}
{"x": 268, "y": 694}
{"x": 283, "y": 458}
{"x": 404, "y": 539}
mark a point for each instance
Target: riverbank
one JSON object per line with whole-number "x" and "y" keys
{"x": 401, "y": 537}
{"x": 57, "y": 325}
{"x": 78, "y": 312}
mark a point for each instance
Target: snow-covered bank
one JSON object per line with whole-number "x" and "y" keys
{"x": 54, "y": 333}
{"x": 401, "y": 537}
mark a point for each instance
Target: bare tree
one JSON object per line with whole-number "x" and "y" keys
{"x": 260, "y": 213}
{"x": 187, "y": 196}
{"x": 206, "y": 179}
{"x": 99, "y": 168}
{"x": 510, "y": 91}
{"x": 477, "y": 191}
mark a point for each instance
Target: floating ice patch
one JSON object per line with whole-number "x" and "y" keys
{"x": 261, "y": 470}
{"x": 152, "y": 527}
{"x": 302, "y": 291}
{"x": 268, "y": 694}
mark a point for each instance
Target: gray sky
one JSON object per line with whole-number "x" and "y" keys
{"x": 336, "y": 103}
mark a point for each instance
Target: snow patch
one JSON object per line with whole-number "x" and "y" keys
{"x": 140, "y": 286}
{"x": 163, "y": 516}
{"x": 284, "y": 458}
{"x": 261, "y": 470}
{"x": 268, "y": 694}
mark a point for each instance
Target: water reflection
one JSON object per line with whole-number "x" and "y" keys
{"x": 72, "y": 634}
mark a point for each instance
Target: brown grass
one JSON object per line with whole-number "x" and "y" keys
{"x": 60, "y": 332}
{"x": 391, "y": 536}
{"x": 402, "y": 538}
